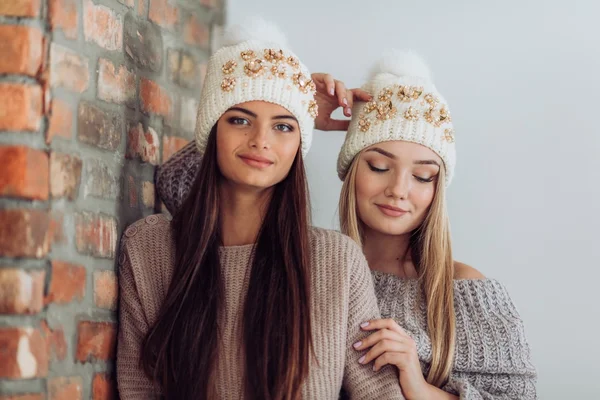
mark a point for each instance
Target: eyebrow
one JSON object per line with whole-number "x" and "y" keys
{"x": 253, "y": 115}
{"x": 393, "y": 157}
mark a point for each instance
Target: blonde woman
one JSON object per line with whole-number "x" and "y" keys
{"x": 451, "y": 332}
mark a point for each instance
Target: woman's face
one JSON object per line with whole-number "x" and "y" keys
{"x": 395, "y": 185}
{"x": 257, "y": 143}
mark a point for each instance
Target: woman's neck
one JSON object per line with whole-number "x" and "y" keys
{"x": 242, "y": 214}
{"x": 389, "y": 253}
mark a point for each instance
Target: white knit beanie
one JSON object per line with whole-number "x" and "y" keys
{"x": 406, "y": 106}
{"x": 254, "y": 64}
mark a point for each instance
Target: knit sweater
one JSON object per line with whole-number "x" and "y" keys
{"x": 342, "y": 297}
{"x": 492, "y": 357}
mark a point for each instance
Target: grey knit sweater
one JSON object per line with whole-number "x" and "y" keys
{"x": 492, "y": 355}
{"x": 492, "y": 358}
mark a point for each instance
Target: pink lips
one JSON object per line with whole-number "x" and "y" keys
{"x": 391, "y": 211}
{"x": 256, "y": 161}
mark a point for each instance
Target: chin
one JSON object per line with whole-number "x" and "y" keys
{"x": 388, "y": 227}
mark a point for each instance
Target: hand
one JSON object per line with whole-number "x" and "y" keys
{"x": 332, "y": 94}
{"x": 391, "y": 345}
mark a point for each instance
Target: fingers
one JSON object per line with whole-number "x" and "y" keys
{"x": 361, "y": 95}
{"x": 387, "y": 323}
{"x": 385, "y": 345}
{"x": 376, "y": 337}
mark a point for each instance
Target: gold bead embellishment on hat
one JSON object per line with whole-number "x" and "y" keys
{"x": 386, "y": 111}
{"x": 229, "y": 67}
{"x": 411, "y": 114}
{"x": 304, "y": 84}
{"x": 228, "y": 84}
{"x": 369, "y": 107}
{"x": 278, "y": 71}
{"x": 409, "y": 93}
{"x": 254, "y": 68}
{"x": 248, "y": 55}
{"x": 364, "y": 123}
{"x": 386, "y": 94}
{"x": 274, "y": 56}
{"x": 293, "y": 62}
{"x": 431, "y": 99}
{"x": 437, "y": 117}
{"x": 313, "y": 108}
{"x": 448, "y": 135}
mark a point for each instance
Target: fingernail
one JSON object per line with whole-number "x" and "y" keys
{"x": 349, "y": 111}
{"x": 357, "y": 345}
{"x": 374, "y": 369}
{"x": 331, "y": 91}
{"x": 360, "y": 360}
{"x": 345, "y": 101}
{"x": 364, "y": 324}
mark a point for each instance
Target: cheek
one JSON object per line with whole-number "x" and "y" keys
{"x": 287, "y": 148}
{"x": 423, "y": 197}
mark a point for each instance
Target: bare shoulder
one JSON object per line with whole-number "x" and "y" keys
{"x": 464, "y": 271}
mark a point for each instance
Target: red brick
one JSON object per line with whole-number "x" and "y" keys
{"x": 96, "y": 341}
{"x": 65, "y": 175}
{"x": 68, "y": 69}
{"x": 67, "y": 283}
{"x": 24, "y": 173}
{"x": 100, "y": 180}
{"x": 148, "y": 194}
{"x": 63, "y": 16}
{"x": 20, "y": 8}
{"x": 20, "y": 107}
{"x": 61, "y": 121}
{"x": 115, "y": 85}
{"x": 133, "y": 196}
{"x": 189, "y": 111}
{"x": 104, "y": 388}
{"x": 106, "y": 289}
{"x": 24, "y": 233}
{"x": 55, "y": 342}
{"x": 98, "y": 127}
{"x": 143, "y": 145}
{"x": 56, "y": 230}
{"x": 65, "y": 388}
{"x": 195, "y": 32}
{"x": 31, "y": 396}
{"x": 24, "y": 354}
{"x": 21, "y": 49}
{"x": 102, "y": 26}
{"x": 95, "y": 235}
{"x": 143, "y": 43}
{"x": 155, "y": 99}
{"x": 163, "y": 13}
{"x": 171, "y": 145}
{"x": 21, "y": 291}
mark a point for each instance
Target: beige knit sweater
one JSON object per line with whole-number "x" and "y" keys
{"x": 342, "y": 298}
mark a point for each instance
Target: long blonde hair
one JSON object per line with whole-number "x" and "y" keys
{"x": 431, "y": 251}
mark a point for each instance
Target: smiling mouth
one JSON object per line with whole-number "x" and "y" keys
{"x": 391, "y": 211}
{"x": 257, "y": 162}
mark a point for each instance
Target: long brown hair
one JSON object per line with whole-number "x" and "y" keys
{"x": 180, "y": 349}
{"x": 431, "y": 251}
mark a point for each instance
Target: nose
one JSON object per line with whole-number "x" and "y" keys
{"x": 260, "y": 137}
{"x": 399, "y": 186}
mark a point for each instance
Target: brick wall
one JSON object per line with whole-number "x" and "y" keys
{"x": 94, "y": 94}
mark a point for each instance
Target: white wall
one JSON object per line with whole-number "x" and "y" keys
{"x": 522, "y": 81}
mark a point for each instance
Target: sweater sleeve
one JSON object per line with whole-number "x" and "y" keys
{"x": 360, "y": 382}
{"x": 133, "y": 326}
{"x": 174, "y": 179}
{"x": 497, "y": 365}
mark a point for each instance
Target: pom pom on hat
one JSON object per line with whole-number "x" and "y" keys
{"x": 254, "y": 28}
{"x": 400, "y": 64}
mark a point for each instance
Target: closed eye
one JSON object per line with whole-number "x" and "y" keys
{"x": 375, "y": 169}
